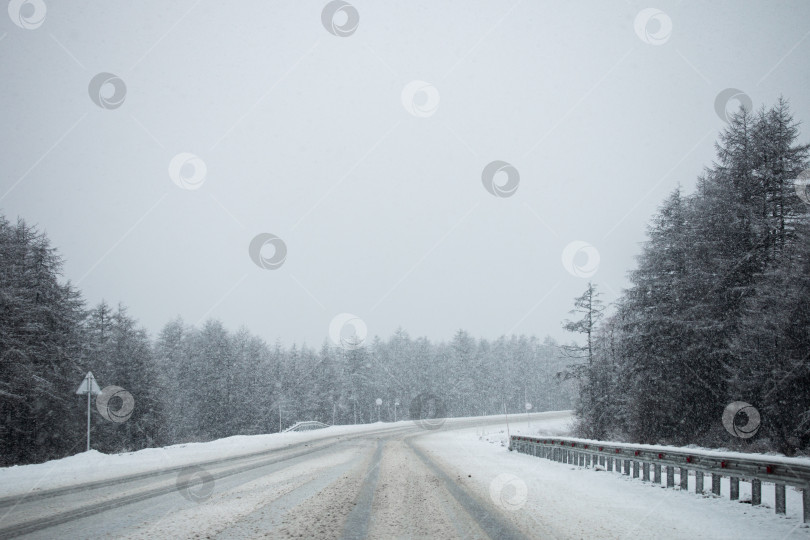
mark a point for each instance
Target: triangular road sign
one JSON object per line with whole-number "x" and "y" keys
{"x": 89, "y": 385}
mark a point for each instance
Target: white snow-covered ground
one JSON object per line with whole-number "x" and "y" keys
{"x": 541, "y": 497}
{"x": 574, "y": 502}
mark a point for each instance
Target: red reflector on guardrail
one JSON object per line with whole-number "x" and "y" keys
{"x": 600, "y": 448}
{"x": 769, "y": 469}
{"x": 660, "y": 456}
{"x": 636, "y": 453}
{"x": 689, "y": 459}
{"x": 722, "y": 464}
{"x": 617, "y": 450}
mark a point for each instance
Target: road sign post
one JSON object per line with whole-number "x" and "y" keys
{"x": 89, "y": 387}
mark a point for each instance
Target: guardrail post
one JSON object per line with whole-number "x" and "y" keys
{"x": 645, "y": 471}
{"x": 609, "y": 464}
{"x": 635, "y": 469}
{"x": 806, "y": 504}
{"x": 627, "y": 467}
{"x": 734, "y": 482}
{"x": 756, "y": 492}
{"x": 780, "y": 498}
{"x": 657, "y": 473}
{"x": 699, "y": 482}
{"x": 670, "y": 476}
{"x": 716, "y": 483}
{"x": 684, "y": 479}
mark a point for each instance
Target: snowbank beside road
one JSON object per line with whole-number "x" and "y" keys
{"x": 94, "y": 466}
{"x": 585, "y": 503}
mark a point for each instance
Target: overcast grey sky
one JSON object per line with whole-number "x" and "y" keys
{"x": 372, "y": 182}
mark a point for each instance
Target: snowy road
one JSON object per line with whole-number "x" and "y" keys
{"x": 377, "y": 484}
{"x": 373, "y": 481}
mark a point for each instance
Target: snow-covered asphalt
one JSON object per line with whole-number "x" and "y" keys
{"x": 378, "y": 481}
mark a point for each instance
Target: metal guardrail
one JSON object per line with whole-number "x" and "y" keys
{"x": 306, "y": 426}
{"x": 627, "y": 458}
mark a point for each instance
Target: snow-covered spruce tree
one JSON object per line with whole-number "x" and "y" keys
{"x": 772, "y": 347}
{"x": 40, "y": 344}
{"x": 588, "y": 307}
{"x": 174, "y": 371}
{"x": 663, "y": 380}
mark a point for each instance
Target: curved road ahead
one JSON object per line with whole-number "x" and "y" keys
{"x": 385, "y": 483}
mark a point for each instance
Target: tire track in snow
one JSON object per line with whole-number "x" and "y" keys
{"x": 357, "y": 524}
{"x": 487, "y": 518}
